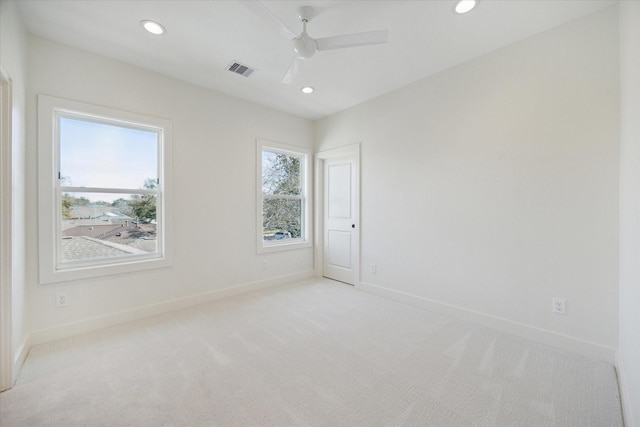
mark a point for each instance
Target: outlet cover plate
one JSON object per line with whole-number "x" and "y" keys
{"x": 559, "y": 306}
{"x": 61, "y": 299}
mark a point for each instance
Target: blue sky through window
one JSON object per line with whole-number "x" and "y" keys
{"x": 106, "y": 156}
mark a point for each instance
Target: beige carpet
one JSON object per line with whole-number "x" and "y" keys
{"x": 317, "y": 353}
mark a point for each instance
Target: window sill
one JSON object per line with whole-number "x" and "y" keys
{"x": 278, "y": 247}
{"x": 78, "y": 273}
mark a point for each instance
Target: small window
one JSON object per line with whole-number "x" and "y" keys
{"x": 103, "y": 193}
{"x": 283, "y": 203}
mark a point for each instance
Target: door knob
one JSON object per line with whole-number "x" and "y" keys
{"x": 353, "y": 226}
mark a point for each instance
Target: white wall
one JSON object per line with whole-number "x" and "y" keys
{"x": 213, "y": 191}
{"x": 492, "y": 187}
{"x": 486, "y": 189}
{"x": 13, "y": 60}
{"x": 629, "y": 345}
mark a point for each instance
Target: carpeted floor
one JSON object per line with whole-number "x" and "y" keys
{"x": 317, "y": 353}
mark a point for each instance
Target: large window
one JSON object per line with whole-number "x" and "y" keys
{"x": 283, "y": 203}
{"x": 102, "y": 190}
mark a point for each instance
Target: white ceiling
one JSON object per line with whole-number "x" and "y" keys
{"x": 204, "y": 37}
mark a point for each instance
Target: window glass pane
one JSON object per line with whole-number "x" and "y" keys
{"x": 106, "y": 156}
{"x": 105, "y": 225}
{"x": 282, "y": 219}
{"x": 281, "y": 174}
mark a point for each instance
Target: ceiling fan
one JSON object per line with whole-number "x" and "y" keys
{"x": 304, "y": 46}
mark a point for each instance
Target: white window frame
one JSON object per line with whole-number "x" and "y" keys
{"x": 50, "y": 190}
{"x": 305, "y": 171}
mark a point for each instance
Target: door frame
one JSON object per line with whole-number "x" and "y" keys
{"x": 6, "y": 172}
{"x": 352, "y": 151}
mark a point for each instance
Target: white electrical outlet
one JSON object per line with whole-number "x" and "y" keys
{"x": 264, "y": 265}
{"x": 61, "y": 299}
{"x": 559, "y": 306}
{"x": 373, "y": 268}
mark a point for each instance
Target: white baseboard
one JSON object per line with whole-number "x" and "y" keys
{"x": 46, "y": 335}
{"x": 623, "y": 385}
{"x": 549, "y": 338}
{"x": 20, "y": 357}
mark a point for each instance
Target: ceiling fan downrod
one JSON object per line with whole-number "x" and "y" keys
{"x": 304, "y": 46}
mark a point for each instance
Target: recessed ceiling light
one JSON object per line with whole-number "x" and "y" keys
{"x": 307, "y": 89}
{"x": 153, "y": 27}
{"x": 464, "y": 6}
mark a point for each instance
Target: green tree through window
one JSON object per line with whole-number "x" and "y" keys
{"x": 144, "y": 206}
{"x": 282, "y": 206}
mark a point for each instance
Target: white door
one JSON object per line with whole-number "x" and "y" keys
{"x": 341, "y": 239}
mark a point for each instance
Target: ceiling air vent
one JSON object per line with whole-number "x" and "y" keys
{"x": 238, "y": 68}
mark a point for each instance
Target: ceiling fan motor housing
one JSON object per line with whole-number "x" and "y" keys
{"x": 304, "y": 46}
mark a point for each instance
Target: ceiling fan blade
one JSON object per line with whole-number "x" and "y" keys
{"x": 292, "y": 72}
{"x": 261, "y": 11}
{"x": 353, "y": 40}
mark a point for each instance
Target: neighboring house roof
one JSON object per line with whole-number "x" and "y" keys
{"x": 90, "y": 230}
{"x": 114, "y": 215}
{"x": 100, "y": 240}
{"x": 91, "y": 211}
{"x": 95, "y": 211}
{"x": 77, "y": 248}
